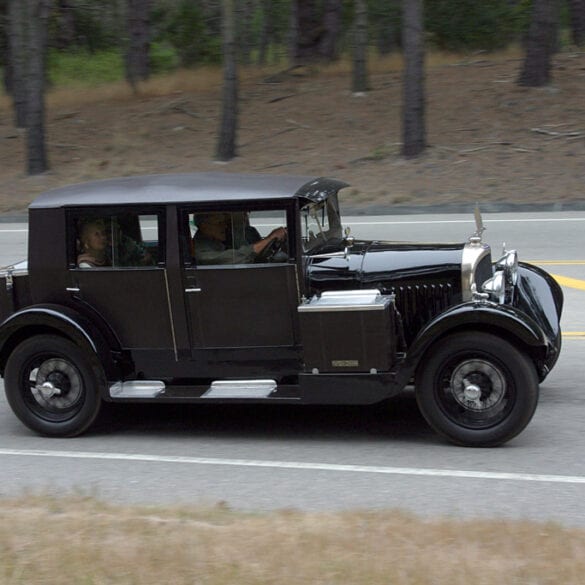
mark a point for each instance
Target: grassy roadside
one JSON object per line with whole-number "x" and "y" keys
{"x": 81, "y": 540}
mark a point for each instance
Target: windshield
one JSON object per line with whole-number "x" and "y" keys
{"x": 320, "y": 223}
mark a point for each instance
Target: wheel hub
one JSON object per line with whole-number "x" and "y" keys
{"x": 56, "y": 384}
{"x": 477, "y": 384}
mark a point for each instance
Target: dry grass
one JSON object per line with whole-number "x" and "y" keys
{"x": 82, "y": 541}
{"x": 489, "y": 139}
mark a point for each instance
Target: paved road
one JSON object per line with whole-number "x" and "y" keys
{"x": 335, "y": 458}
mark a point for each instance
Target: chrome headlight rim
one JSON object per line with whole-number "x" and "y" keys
{"x": 501, "y": 286}
{"x": 508, "y": 263}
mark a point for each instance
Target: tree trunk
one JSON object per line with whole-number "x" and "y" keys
{"x": 35, "y": 84}
{"x": 314, "y": 37}
{"x": 360, "y": 47}
{"x": 226, "y": 146}
{"x": 536, "y": 70}
{"x": 577, "y": 12}
{"x": 65, "y": 33}
{"x": 329, "y": 42}
{"x": 245, "y": 10}
{"x": 137, "y": 54}
{"x": 294, "y": 34}
{"x": 28, "y": 47}
{"x": 267, "y": 32}
{"x": 413, "y": 106}
{"x": 17, "y": 18}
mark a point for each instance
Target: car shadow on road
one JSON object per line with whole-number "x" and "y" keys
{"x": 395, "y": 419}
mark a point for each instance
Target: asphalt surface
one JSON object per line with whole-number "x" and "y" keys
{"x": 338, "y": 458}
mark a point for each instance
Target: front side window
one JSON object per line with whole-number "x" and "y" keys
{"x": 238, "y": 237}
{"x": 118, "y": 240}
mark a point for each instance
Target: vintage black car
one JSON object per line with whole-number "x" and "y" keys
{"x": 219, "y": 287}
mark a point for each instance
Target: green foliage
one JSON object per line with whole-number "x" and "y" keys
{"x": 93, "y": 25}
{"x": 163, "y": 58}
{"x": 463, "y": 25}
{"x": 82, "y": 67}
{"x": 188, "y": 31}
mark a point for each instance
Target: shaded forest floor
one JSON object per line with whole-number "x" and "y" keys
{"x": 489, "y": 140}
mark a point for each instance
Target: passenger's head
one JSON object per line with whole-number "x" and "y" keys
{"x": 212, "y": 225}
{"x": 93, "y": 236}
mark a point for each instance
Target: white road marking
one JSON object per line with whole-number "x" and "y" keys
{"x": 303, "y": 466}
{"x": 354, "y": 221}
{"x": 469, "y": 221}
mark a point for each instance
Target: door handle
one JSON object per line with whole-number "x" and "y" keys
{"x": 190, "y": 290}
{"x": 73, "y": 289}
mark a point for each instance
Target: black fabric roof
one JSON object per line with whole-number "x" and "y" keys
{"x": 190, "y": 187}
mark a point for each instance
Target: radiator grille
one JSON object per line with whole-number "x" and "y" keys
{"x": 419, "y": 303}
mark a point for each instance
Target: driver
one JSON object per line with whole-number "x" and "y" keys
{"x": 210, "y": 242}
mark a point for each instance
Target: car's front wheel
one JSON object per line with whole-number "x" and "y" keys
{"x": 52, "y": 386}
{"x": 477, "y": 389}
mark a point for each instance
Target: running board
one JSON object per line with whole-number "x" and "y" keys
{"x": 137, "y": 389}
{"x": 234, "y": 389}
{"x": 240, "y": 389}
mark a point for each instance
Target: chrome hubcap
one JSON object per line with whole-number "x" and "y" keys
{"x": 477, "y": 385}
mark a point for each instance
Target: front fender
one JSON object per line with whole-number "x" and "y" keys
{"x": 63, "y": 321}
{"x": 482, "y": 316}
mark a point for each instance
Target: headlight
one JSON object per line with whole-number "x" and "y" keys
{"x": 496, "y": 287}
{"x": 500, "y": 287}
{"x": 508, "y": 263}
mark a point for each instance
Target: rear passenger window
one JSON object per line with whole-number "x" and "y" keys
{"x": 118, "y": 240}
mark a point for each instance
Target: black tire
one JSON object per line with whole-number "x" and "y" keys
{"x": 476, "y": 389}
{"x": 52, "y": 386}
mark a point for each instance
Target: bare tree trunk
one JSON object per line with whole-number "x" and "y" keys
{"x": 314, "y": 36}
{"x": 294, "y": 33}
{"x": 360, "y": 48}
{"x": 245, "y": 10}
{"x": 137, "y": 54}
{"x": 329, "y": 42}
{"x": 28, "y": 46}
{"x": 226, "y": 146}
{"x": 536, "y": 70}
{"x": 577, "y": 12}
{"x": 35, "y": 84}
{"x": 267, "y": 31}
{"x": 413, "y": 106}
{"x": 65, "y": 28}
{"x": 17, "y": 17}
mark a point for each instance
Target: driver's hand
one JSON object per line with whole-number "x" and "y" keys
{"x": 278, "y": 234}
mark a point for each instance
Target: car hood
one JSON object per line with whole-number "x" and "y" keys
{"x": 385, "y": 265}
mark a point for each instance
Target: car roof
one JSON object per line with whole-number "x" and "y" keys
{"x": 187, "y": 188}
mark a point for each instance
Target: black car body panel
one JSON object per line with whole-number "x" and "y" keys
{"x": 322, "y": 318}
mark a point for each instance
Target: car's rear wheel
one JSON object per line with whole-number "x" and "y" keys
{"x": 476, "y": 389}
{"x": 52, "y": 386}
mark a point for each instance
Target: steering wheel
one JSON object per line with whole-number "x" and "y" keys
{"x": 271, "y": 250}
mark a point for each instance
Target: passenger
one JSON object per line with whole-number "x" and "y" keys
{"x": 94, "y": 245}
{"x": 210, "y": 242}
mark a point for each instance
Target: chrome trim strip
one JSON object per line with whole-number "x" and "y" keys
{"x": 171, "y": 316}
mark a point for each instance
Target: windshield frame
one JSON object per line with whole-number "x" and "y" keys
{"x": 320, "y": 223}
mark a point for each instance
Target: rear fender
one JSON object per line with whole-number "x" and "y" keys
{"x": 64, "y": 321}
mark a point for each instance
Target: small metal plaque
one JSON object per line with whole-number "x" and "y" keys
{"x": 345, "y": 363}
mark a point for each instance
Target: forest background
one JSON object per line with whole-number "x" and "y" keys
{"x": 319, "y": 87}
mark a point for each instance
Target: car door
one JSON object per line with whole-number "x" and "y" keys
{"x": 240, "y": 305}
{"x": 128, "y": 286}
